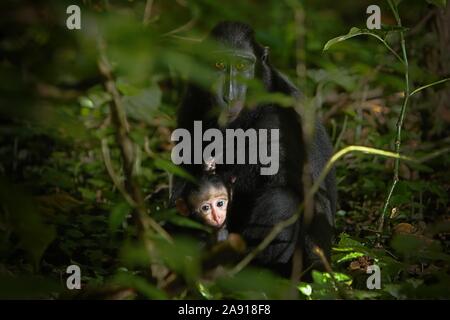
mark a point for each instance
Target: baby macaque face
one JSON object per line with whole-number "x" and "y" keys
{"x": 208, "y": 199}
{"x": 210, "y": 204}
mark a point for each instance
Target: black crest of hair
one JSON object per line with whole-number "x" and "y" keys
{"x": 260, "y": 202}
{"x": 234, "y": 34}
{"x": 205, "y": 181}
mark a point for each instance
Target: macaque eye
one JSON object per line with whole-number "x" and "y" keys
{"x": 241, "y": 66}
{"x": 220, "y": 65}
{"x": 221, "y": 203}
{"x": 205, "y": 208}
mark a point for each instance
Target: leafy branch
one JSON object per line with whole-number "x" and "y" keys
{"x": 359, "y": 32}
{"x": 401, "y": 118}
{"x": 407, "y": 91}
{"x": 133, "y": 193}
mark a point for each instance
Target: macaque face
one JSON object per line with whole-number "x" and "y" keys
{"x": 208, "y": 200}
{"x": 211, "y": 206}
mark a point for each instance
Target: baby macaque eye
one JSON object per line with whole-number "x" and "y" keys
{"x": 205, "y": 208}
{"x": 221, "y": 203}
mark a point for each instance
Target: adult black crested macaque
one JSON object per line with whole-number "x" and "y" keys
{"x": 261, "y": 201}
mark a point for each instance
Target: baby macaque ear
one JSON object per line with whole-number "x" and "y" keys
{"x": 210, "y": 166}
{"x": 182, "y": 207}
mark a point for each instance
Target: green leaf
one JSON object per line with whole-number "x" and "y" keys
{"x": 134, "y": 254}
{"x": 325, "y": 277}
{"x": 87, "y": 194}
{"x": 182, "y": 256}
{"x": 342, "y": 277}
{"x": 365, "y": 295}
{"x": 420, "y": 248}
{"x": 142, "y": 106}
{"x": 346, "y": 243}
{"x": 188, "y": 223}
{"x": 350, "y": 256}
{"x": 34, "y": 234}
{"x": 174, "y": 169}
{"x": 352, "y": 33}
{"x": 358, "y": 32}
{"x": 27, "y": 287}
{"x": 204, "y": 291}
{"x": 126, "y": 89}
{"x": 319, "y": 277}
{"x": 305, "y": 288}
{"x": 140, "y": 284}
{"x": 253, "y": 283}
{"x": 118, "y": 214}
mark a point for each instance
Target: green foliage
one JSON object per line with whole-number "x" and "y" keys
{"x": 59, "y": 205}
{"x": 358, "y": 32}
{"x": 254, "y": 284}
{"x": 148, "y": 290}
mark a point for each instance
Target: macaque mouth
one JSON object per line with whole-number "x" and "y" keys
{"x": 218, "y": 226}
{"x": 234, "y": 109}
{"x": 235, "y": 106}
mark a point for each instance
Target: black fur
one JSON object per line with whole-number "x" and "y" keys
{"x": 259, "y": 202}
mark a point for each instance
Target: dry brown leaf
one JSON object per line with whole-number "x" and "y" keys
{"x": 404, "y": 228}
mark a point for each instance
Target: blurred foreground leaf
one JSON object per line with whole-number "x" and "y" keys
{"x": 18, "y": 208}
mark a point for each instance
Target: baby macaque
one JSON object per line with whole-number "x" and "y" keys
{"x": 208, "y": 200}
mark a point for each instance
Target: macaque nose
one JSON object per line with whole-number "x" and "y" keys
{"x": 216, "y": 217}
{"x": 230, "y": 89}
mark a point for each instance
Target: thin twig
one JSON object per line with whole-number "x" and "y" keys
{"x": 341, "y": 134}
{"x": 187, "y": 26}
{"x": 147, "y": 12}
{"x": 434, "y": 154}
{"x": 429, "y": 85}
{"x": 112, "y": 174}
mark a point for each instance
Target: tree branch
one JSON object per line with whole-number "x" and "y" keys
{"x": 126, "y": 146}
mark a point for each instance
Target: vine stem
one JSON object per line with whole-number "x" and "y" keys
{"x": 308, "y": 198}
{"x": 401, "y": 118}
